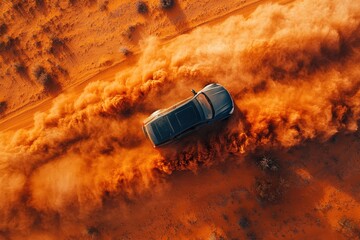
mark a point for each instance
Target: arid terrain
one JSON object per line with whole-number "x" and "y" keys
{"x": 78, "y": 78}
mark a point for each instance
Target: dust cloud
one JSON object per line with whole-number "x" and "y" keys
{"x": 292, "y": 71}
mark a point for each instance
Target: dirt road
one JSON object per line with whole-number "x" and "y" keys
{"x": 23, "y": 118}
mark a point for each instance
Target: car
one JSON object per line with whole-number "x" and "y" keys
{"x": 210, "y": 104}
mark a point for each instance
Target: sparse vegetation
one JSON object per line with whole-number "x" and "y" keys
{"x": 40, "y": 3}
{"x": 38, "y": 44}
{"x": 7, "y": 45}
{"x": 104, "y": 6}
{"x": 89, "y": 3}
{"x": 93, "y": 231}
{"x": 3, "y": 106}
{"x": 45, "y": 79}
{"x": 270, "y": 191}
{"x": 267, "y": 163}
{"x": 125, "y": 51}
{"x": 2, "y": 46}
{"x": 142, "y": 8}
{"x": 3, "y": 29}
{"x": 57, "y": 45}
{"x": 251, "y": 236}
{"x": 55, "y": 41}
{"x": 266, "y": 191}
{"x": 349, "y": 228}
{"x": 38, "y": 71}
{"x": 20, "y": 68}
{"x": 18, "y": 6}
{"x": 244, "y": 222}
{"x": 167, "y": 4}
{"x": 62, "y": 70}
{"x": 129, "y": 32}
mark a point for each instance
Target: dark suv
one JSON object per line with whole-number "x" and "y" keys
{"x": 211, "y": 103}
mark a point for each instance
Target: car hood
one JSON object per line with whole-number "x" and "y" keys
{"x": 220, "y": 99}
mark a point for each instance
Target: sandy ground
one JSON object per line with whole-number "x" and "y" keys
{"x": 75, "y": 165}
{"x": 73, "y": 45}
{"x": 92, "y": 45}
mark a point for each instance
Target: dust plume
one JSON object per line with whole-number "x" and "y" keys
{"x": 292, "y": 71}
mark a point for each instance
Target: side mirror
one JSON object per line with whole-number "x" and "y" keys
{"x": 193, "y": 91}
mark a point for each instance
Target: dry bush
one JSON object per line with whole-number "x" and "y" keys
{"x": 93, "y": 231}
{"x": 125, "y": 51}
{"x": 40, "y": 3}
{"x": 45, "y": 79}
{"x": 89, "y": 3}
{"x": 244, "y": 222}
{"x": 20, "y": 68}
{"x": 104, "y": 6}
{"x": 62, "y": 70}
{"x": 251, "y": 236}
{"x": 3, "y": 29}
{"x": 3, "y": 106}
{"x": 349, "y": 228}
{"x": 9, "y": 44}
{"x": 265, "y": 160}
{"x": 38, "y": 71}
{"x": 129, "y": 32}
{"x": 270, "y": 190}
{"x": 167, "y": 4}
{"x": 48, "y": 81}
{"x": 18, "y": 6}
{"x": 266, "y": 191}
{"x": 142, "y": 8}
{"x": 268, "y": 164}
{"x": 42, "y": 76}
{"x": 2, "y": 46}
{"x": 55, "y": 42}
{"x": 56, "y": 45}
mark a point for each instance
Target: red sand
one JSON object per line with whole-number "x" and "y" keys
{"x": 285, "y": 166}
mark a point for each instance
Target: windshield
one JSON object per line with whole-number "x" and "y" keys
{"x": 205, "y": 105}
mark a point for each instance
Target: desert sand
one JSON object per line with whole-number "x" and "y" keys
{"x": 79, "y": 77}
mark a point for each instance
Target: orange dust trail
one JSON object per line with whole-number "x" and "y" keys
{"x": 292, "y": 70}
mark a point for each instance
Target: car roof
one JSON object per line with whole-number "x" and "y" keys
{"x": 176, "y": 121}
